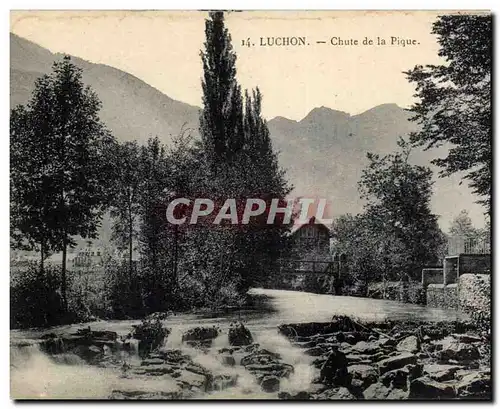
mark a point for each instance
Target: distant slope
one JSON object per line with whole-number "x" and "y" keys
{"x": 132, "y": 109}
{"x": 326, "y": 151}
{"x": 325, "y": 154}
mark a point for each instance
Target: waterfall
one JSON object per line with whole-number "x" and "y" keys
{"x": 35, "y": 375}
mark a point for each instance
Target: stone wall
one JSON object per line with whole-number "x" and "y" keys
{"x": 442, "y": 296}
{"x": 450, "y": 270}
{"x": 474, "y": 264}
{"x": 432, "y": 276}
{"x": 474, "y": 294}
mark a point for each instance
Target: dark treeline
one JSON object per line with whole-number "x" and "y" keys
{"x": 67, "y": 171}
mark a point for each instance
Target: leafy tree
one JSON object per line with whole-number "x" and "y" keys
{"x": 354, "y": 238}
{"x": 154, "y": 236}
{"x": 397, "y": 208}
{"x": 263, "y": 178}
{"x": 454, "y": 107}
{"x": 125, "y": 206}
{"x": 33, "y": 207}
{"x": 462, "y": 226}
{"x": 58, "y": 173}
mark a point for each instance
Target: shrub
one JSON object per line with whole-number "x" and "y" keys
{"x": 151, "y": 333}
{"x": 239, "y": 335}
{"x": 123, "y": 295}
{"x": 35, "y": 297}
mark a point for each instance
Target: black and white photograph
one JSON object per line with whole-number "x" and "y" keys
{"x": 250, "y": 205}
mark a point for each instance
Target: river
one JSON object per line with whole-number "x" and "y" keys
{"x": 36, "y": 375}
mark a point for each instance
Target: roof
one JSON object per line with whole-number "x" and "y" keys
{"x": 311, "y": 221}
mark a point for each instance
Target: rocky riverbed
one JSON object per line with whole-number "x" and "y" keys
{"x": 338, "y": 360}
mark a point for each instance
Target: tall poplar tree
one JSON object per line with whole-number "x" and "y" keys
{"x": 241, "y": 161}
{"x": 221, "y": 121}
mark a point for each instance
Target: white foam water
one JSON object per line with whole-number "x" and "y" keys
{"x": 36, "y": 376}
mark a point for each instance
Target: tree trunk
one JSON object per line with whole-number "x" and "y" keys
{"x": 63, "y": 276}
{"x": 42, "y": 259}
{"x": 130, "y": 226}
{"x": 176, "y": 253}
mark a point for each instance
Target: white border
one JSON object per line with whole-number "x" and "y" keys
{"x": 184, "y": 5}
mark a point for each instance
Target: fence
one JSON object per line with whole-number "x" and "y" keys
{"x": 468, "y": 245}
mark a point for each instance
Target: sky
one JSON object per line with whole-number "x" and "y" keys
{"x": 162, "y": 48}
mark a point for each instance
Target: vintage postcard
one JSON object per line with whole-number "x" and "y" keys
{"x": 278, "y": 205}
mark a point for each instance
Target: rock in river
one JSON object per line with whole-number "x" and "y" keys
{"x": 458, "y": 351}
{"x": 334, "y": 370}
{"x": 427, "y": 388}
{"x": 239, "y": 335}
{"x": 270, "y": 384}
{"x": 365, "y": 373}
{"x": 397, "y": 361}
{"x": 409, "y": 344}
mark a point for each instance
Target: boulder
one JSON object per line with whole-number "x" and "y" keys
{"x": 314, "y": 351}
{"x": 365, "y": 373}
{"x": 357, "y": 384}
{"x": 278, "y": 369}
{"x": 467, "y": 338}
{"x": 409, "y": 344}
{"x": 341, "y": 393}
{"x": 305, "y": 344}
{"x": 97, "y": 335}
{"x": 378, "y": 391}
{"x": 427, "y": 388}
{"x": 334, "y": 370}
{"x": 302, "y": 395}
{"x": 270, "y": 384}
{"x": 366, "y": 348}
{"x": 397, "y": 394}
{"x": 228, "y": 360}
{"x": 458, "y": 351}
{"x": 146, "y": 395}
{"x": 224, "y": 381}
{"x": 378, "y": 356}
{"x": 340, "y": 337}
{"x": 385, "y": 342}
{"x": 260, "y": 357}
{"x": 239, "y": 335}
{"x": 475, "y": 385}
{"x": 441, "y": 373}
{"x": 197, "y": 369}
{"x": 399, "y": 378}
{"x": 200, "y": 334}
{"x": 52, "y": 344}
{"x": 155, "y": 370}
{"x": 190, "y": 380}
{"x": 397, "y": 361}
{"x": 171, "y": 356}
{"x": 152, "y": 361}
{"x": 395, "y": 378}
{"x": 88, "y": 353}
